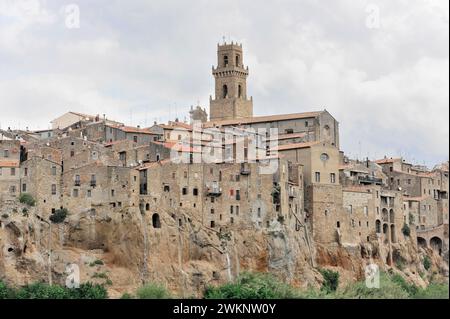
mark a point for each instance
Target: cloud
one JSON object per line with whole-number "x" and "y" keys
{"x": 147, "y": 60}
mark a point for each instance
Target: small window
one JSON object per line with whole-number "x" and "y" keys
{"x": 225, "y": 60}
{"x": 195, "y": 192}
{"x": 317, "y": 176}
{"x": 333, "y": 178}
{"x": 24, "y": 187}
{"x": 53, "y": 189}
{"x": 238, "y": 62}
{"x": 185, "y": 191}
{"x": 306, "y": 124}
{"x": 25, "y": 171}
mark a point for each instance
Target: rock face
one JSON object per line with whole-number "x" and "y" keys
{"x": 124, "y": 251}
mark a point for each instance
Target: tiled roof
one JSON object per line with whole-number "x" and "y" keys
{"x": 387, "y": 160}
{"x": 259, "y": 119}
{"x": 4, "y": 163}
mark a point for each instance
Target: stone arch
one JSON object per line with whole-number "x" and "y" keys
{"x": 436, "y": 244}
{"x": 156, "y": 222}
{"x": 385, "y": 215}
{"x": 239, "y": 91}
{"x": 421, "y": 242}
{"x": 391, "y": 216}
{"x": 386, "y": 233}
{"x": 378, "y": 226}
{"x": 393, "y": 235}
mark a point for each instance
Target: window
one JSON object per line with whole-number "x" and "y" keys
{"x": 89, "y": 193}
{"x": 6, "y": 153}
{"x": 225, "y": 60}
{"x": 156, "y": 221}
{"x": 237, "y": 210}
{"x": 231, "y": 192}
{"x": 239, "y": 91}
{"x": 238, "y": 194}
{"x": 135, "y": 139}
{"x": 338, "y": 224}
{"x": 53, "y": 189}
{"x": 213, "y": 224}
{"x": 53, "y": 170}
{"x": 366, "y": 211}
{"x": 77, "y": 180}
{"x": 289, "y": 131}
{"x": 324, "y": 157}
{"x": 350, "y": 209}
{"x": 24, "y": 188}
{"x": 212, "y": 210}
{"x": 25, "y": 173}
{"x": 306, "y": 124}
{"x": 13, "y": 171}
{"x": 231, "y": 209}
{"x": 75, "y": 192}
{"x": 224, "y": 92}
{"x": 237, "y": 60}
{"x": 12, "y": 189}
{"x": 184, "y": 191}
{"x": 113, "y": 192}
{"x": 333, "y": 178}
{"x": 317, "y": 175}
{"x": 195, "y": 192}
{"x": 93, "y": 180}
{"x": 72, "y": 153}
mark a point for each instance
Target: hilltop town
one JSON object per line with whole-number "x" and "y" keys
{"x": 194, "y": 204}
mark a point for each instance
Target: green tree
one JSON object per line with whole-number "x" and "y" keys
{"x": 330, "y": 280}
{"x": 59, "y": 216}
{"x": 27, "y": 199}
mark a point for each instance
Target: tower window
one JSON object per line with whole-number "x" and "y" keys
{"x": 237, "y": 60}
{"x": 225, "y": 60}
{"x": 239, "y": 90}
{"x": 224, "y": 91}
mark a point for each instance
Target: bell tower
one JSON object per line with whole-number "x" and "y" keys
{"x": 230, "y": 76}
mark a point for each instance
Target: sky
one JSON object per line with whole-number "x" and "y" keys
{"x": 380, "y": 67}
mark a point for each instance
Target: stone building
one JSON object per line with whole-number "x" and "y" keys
{"x": 9, "y": 169}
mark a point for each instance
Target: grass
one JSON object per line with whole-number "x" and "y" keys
{"x": 153, "y": 291}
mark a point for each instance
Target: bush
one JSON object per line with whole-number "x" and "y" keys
{"x": 5, "y": 216}
{"x": 427, "y": 263}
{"x": 42, "y": 291}
{"x": 411, "y": 289}
{"x": 5, "y": 292}
{"x": 127, "y": 296}
{"x": 406, "y": 230}
{"x": 153, "y": 291}
{"x": 388, "y": 290}
{"x": 330, "y": 280}
{"x": 96, "y": 262}
{"x": 89, "y": 291}
{"x": 27, "y": 199}
{"x": 251, "y": 286}
{"x": 433, "y": 291}
{"x": 59, "y": 216}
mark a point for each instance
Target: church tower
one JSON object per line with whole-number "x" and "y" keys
{"x": 230, "y": 100}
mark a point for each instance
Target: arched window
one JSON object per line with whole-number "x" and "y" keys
{"x": 239, "y": 91}
{"x": 225, "y": 60}
{"x": 378, "y": 226}
{"x": 237, "y": 60}
{"x": 147, "y": 206}
{"x": 391, "y": 216}
{"x": 393, "y": 235}
{"x": 155, "y": 221}
{"x": 224, "y": 91}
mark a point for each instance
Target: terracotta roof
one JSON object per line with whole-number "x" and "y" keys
{"x": 9, "y": 163}
{"x": 153, "y": 164}
{"x": 295, "y": 146}
{"x": 259, "y": 119}
{"x": 387, "y": 160}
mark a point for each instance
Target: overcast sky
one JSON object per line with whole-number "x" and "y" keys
{"x": 380, "y": 67}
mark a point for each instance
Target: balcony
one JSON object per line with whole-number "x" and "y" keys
{"x": 245, "y": 169}
{"x": 370, "y": 180}
{"x": 213, "y": 190}
{"x": 93, "y": 183}
{"x": 77, "y": 183}
{"x": 292, "y": 193}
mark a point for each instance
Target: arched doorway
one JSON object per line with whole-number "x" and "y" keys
{"x": 386, "y": 233}
{"x": 385, "y": 215}
{"x": 378, "y": 226}
{"x": 421, "y": 242}
{"x": 224, "y": 92}
{"x": 156, "y": 221}
{"x": 391, "y": 216}
{"x": 393, "y": 235}
{"x": 436, "y": 244}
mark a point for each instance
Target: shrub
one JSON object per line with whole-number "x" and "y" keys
{"x": 27, "y": 199}
{"x": 5, "y": 216}
{"x": 427, "y": 263}
{"x": 411, "y": 289}
{"x": 251, "y": 286}
{"x": 96, "y": 262}
{"x": 42, "y": 291}
{"x": 330, "y": 280}
{"x": 433, "y": 291}
{"x": 406, "y": 230}
{"x": 126, "y": 296}
{"x": 101, "y": 275}
{"x": 153, "y": 291}
{"x": 89, "y": 291}
{"x": 388, "y": 290}
{"x": 5, "y": 292}
{"x": 59, "y": 216}
{"x": 25, "y": 212}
